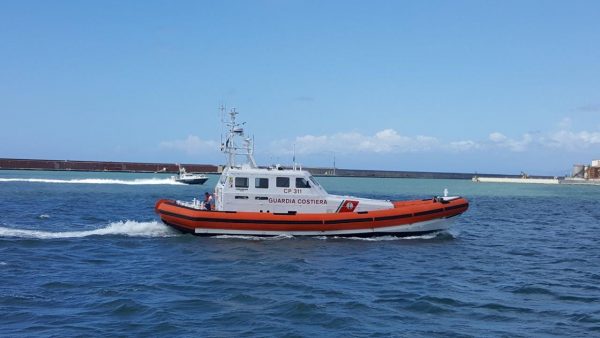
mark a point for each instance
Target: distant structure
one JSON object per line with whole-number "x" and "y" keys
{"x": 581, "y": 174}
{"x": 332, "y": 171}
{"x": 586, "y": 172}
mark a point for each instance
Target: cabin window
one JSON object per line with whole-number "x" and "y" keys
{"x": 241, "y": 182}
{"x": 262, "y": 183}
{"x": 283, "y": 182}
{"x": 301, "y": 182}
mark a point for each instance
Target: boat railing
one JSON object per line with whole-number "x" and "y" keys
{"x": 194, "y": 204}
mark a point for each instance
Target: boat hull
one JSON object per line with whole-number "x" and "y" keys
{"x": 192, "y": 180}
{"x": 407, "y": 218}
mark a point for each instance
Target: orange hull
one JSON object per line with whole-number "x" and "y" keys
{"x": 407, "y": 218}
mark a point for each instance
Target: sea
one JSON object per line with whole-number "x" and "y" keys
{"x": 84, "y": 254}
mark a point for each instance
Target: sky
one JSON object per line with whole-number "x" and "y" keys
{"x": 448, "y": 86}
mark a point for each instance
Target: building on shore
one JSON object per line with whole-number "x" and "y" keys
{"x": 584, "y": 174}
{"x": 591, "y": 171}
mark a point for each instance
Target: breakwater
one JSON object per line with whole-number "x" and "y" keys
{"x": 386, "y": 173}
{"x": 405, "y": 174}
{"x": 71, "y": 165}
{"x": 35, "y": 164}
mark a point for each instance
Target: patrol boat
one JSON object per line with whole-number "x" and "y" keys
{"x": 273, "y": 201}
{"x": 189, "y": 178}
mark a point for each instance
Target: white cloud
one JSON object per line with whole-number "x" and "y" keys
{"x": 390, "y": 141}
{"x": 500, "y": 140}
{"x": 565, "y": 123}
{"x": 497, "y": 137}
{"x": 386, "y": 141}
{"x": 464, "y": 146}
{"x": 563, "y": 139}
{"x": 570, "y": 140}
{"x": 192, "y": 145}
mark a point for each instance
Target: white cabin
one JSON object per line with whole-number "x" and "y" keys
{"x": 282, "y": 191}
{"x": 247, "y": 187}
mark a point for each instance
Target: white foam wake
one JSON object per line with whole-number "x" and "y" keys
{"x": 391, "y": 238}
{"x": 140, "y": 181}
{"x": 127, "y": 228}
{"x": 254, "y": 238}
{"x": 434, "y": 235}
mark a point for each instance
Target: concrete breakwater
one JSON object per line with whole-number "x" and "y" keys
{"x": 522, "y": 180}
{"x": 387, "y": 173}
{"x": 71, "y": 165}
{"x": 67, "y": 165}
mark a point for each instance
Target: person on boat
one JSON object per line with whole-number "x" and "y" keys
{"x": 208, "y": 201}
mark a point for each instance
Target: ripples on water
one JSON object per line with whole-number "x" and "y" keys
{"x": 92, "y": 259}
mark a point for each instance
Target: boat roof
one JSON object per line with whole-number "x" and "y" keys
{"x": 267, "y": 171}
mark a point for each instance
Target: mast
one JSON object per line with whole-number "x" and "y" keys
{"x": 230, "y": 147}
{"x": 333, "y": 164}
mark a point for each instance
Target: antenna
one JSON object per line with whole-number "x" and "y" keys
{"x": 222, "y": 111}
{"x": 294, "y": 158}
{"x": 231, "y": 148}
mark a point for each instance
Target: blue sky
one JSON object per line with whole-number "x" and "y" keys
{"x": 486, "y": 86}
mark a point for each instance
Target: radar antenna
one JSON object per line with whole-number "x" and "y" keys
{"x": 230, "y": 147}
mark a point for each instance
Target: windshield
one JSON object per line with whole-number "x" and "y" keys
{"x": 314, "y": 182}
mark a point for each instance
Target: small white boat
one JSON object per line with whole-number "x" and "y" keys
{"x": 190, "y": 178}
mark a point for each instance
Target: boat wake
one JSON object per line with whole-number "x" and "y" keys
{"x": 437, "y": 235}
{"x": 140, "y": 181}
{"x": 254, "y": 238}
{"x": 126, "y": 228}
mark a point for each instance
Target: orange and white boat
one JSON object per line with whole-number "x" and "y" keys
{"x": 273, "y": 201}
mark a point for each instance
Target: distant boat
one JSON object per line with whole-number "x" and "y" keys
{"x": 190, "y": 178}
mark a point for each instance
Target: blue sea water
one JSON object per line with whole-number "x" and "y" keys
{"x": 83, "y": 254}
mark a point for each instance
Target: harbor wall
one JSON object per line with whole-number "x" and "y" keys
{"x": 516, "y": 180}
{"x": 387, "y": 173}
{"x": 34, "y": 164}
{"x": 582, "y": 181}
{"x": 71, "y": 165}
